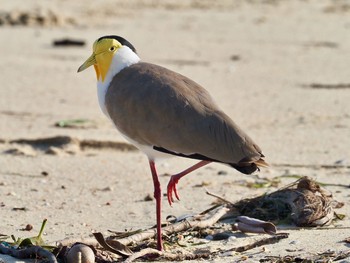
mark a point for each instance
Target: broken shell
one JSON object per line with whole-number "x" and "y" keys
{"x": 80, "y": 253}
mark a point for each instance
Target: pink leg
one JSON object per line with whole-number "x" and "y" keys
{"x": 158, "y": 197}
{"x": 175, "y": 179}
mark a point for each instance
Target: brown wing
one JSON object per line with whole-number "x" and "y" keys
{"x": 156, "y": 106}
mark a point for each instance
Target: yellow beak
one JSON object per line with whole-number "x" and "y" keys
{"x": 89, "y": 62}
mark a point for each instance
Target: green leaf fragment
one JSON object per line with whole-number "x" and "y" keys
{"x": 75, "y": 123}
{"x": 340, "y": 216}
{"x": 35, "y": 241}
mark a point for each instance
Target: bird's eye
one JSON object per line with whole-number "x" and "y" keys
{"x": 112, "y": 48}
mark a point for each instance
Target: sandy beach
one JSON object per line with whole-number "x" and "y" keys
{"x": 279, "y": 69}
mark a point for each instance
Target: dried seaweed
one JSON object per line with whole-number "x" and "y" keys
{"x": 304, "y": 203}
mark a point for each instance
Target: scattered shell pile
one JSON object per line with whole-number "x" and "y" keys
{"x": 36, "y": 17}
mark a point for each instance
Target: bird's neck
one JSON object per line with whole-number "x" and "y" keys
{"x": 123, "y": 58}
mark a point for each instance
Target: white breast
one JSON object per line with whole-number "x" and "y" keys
{"x": 124, "y": 57}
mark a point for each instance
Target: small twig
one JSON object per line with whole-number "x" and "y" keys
{"x": 312, "y": 228}
{"x": 259, "y": 243}
{"x": 210, "y": 209}
{"x": 168, "y": 256}
{"x": 142, "y": 253}
{"x": 23, "y": 175}
{"x": 219, "y": 197}
{"x": 32, "y": 251}
{"x": 342, "y": 255}
{"x": 320, "y": 257}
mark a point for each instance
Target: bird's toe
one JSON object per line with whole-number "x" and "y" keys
{"x": 172, "y": 190}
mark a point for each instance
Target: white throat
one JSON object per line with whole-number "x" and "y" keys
{"x": 123, "y": 58}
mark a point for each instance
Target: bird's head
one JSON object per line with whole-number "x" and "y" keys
{"x": 105, "y": 50}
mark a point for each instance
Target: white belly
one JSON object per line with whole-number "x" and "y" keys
{"x": 147, "y": 149}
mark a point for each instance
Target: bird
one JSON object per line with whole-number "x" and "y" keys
{"x": 164, "y": 113}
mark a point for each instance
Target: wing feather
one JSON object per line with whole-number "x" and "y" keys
{"x": 156, "y": 106}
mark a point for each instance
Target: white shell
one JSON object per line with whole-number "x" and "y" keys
{"x": 80, "y": 253}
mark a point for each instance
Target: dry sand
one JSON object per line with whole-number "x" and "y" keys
{"x": 280, "y": 69}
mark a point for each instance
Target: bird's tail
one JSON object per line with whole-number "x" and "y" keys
{"x": 261, "y": 163}
{"x": 249, "y": 167}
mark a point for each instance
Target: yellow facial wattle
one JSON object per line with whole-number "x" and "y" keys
{"x": 102, "y": 56}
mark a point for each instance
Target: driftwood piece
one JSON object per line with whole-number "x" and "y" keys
{"x": 144, "y": 252}
{"x": 149, "y": 233}
{"x": 168, "y": 255}
{"x": 189, "y": 256}
{"x": 181, "y": 226}
{"x": 259, "y": 243}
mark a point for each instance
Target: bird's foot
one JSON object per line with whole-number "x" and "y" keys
{"x": 171, "y": 189}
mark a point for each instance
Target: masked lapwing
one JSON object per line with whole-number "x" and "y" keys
{"x": 164, "y": 113}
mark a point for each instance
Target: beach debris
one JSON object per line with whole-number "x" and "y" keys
{"x": 335, "y": 86}
{"x": 258, "y": 182}
{"x": 33, "y": 241}
{"x": 340, "y": 7}
{"x": 80, "y": 253}
{"x": 35, "y": 17}
{"x": 322, "y": 44}
{"x": 195, "y": 222}
{"x": 180, "y": 234}
{"x": 205, "y": 255}
{"x": 19, "y": 208}
{"x": 304, "y": 200}
{"x": 304, "y": 203}
{"x": 28, "y": 252}
{"x": 326, "y": 256}
{"x": 76, "y": 123}
{"x": 148, "y": 197}
{"x": 347, "y": 240}
{"x": 252, "y": 225}
{"x": 28, "y": 227}
{"x": 264, "y": 241}
{"x": 29, "y": 247}
{"x": 151, "y": 253}
{"x": 222, "y": 172}
{"x": 235, "y": 57}
{"x": 3, "y": 237}
{"x": 42, "y": 174}
{"x": 220, "y": 236}
{"x": 67, "y": 42}
{"x": 113, "y": 246}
